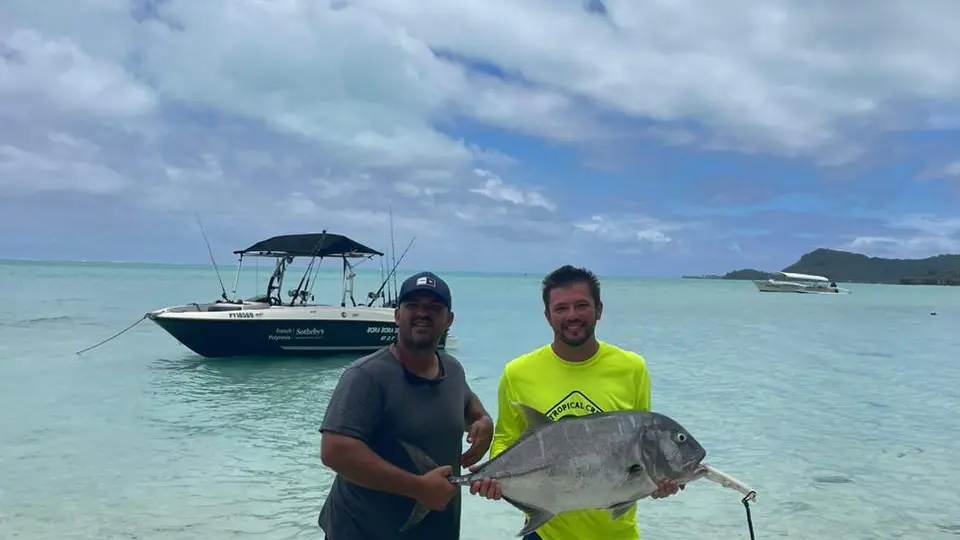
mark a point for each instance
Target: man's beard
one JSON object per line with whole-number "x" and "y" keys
{"x": 421, "y": 340}
{"x": 420, "y": 343}
{"x": 586, "y": 333}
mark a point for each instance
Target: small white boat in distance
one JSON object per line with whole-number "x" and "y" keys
{"x": 800, "y": 283}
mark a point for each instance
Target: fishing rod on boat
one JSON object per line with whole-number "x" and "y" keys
{"x": 391, "y": 274}
{"x": 393, "y": 253}
{"x": 212, "y": 259}
{"x": 306, "y": 272}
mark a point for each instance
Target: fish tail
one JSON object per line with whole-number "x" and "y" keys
{"x": 422, "y": 464}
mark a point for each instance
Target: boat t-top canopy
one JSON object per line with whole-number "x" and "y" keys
{"x": 804, "y": 277}
{"x": 322, "y": 244}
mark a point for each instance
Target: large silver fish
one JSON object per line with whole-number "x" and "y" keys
{"x": 600, "y": 461}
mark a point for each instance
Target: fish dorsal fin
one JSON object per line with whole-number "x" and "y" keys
{"x": 535, "y": 419}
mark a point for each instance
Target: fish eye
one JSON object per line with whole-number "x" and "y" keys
{"x": 680, "y": 437}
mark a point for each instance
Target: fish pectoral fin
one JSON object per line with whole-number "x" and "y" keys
{"x": 535, "y": 419}
{"x": 634, "y": 472}
{"x": 536, "y": 517}
{"x": 619, "y": 509}
{"x": 534, "y": 522}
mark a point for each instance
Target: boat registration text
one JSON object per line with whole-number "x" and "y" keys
{"x": 244, "y": 314}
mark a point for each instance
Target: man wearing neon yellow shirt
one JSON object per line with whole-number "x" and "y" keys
{"x": 575, "y": 375}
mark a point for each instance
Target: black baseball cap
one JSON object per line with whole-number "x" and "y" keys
{"x": 426, "y": 281}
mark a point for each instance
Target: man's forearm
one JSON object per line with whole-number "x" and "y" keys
{"x": 355, "y": 461}
{"x": 474, "y": 410}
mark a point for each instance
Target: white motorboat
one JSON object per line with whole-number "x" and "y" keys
{"x": 791, "y": 282}
{"x": 268, "y": 325}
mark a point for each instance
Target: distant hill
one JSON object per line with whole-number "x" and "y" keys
{"x": 844, "y": 266}
{"x": 748, "y": 273}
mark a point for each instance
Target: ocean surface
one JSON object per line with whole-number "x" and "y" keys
{"x": 841, "y": 411}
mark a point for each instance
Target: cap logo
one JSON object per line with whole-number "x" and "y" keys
{"x": 426, "y": 280}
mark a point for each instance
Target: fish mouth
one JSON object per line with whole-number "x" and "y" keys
{"x": 695, "y": 465}
{"x": 694, "y": 470}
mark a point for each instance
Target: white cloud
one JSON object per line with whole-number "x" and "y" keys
{"x": 633, "y": 229}
{"x": 294, "y": 114}
{"x": 53, "y": 76}
{"x": 496, "y": 189}
{"x": 949, "y": 170}
{"x": 785, "y": 75}
{"x": 912, "y": 236}
{"x": 349, "y": 78}
{"x": 68, "y": 166}
{"x": 927, "y": 224}
{"x": 952, "y": 169}
{"x": 180, "y": 188}
{"x": 102, "y": 28}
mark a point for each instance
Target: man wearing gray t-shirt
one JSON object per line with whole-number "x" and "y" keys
{"x": 411, "y": 392}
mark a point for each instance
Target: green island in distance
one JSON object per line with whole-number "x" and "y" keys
{"x": 848, "y": 267}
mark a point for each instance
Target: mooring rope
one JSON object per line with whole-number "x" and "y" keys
{"x": 138, "y": 321}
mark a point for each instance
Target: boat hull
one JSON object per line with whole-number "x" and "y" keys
{"x": 802, "y": 288}
{"x": 219, "y": 331}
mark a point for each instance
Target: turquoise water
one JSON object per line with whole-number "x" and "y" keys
{"x": 840, "y": 410}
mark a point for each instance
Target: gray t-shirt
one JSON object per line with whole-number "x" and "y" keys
{"x": 378, "y": 401}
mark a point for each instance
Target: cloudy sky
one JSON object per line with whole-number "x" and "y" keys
{"x": 645, "y": 138}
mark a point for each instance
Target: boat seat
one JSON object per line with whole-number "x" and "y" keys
{"x": 223, "y": 307}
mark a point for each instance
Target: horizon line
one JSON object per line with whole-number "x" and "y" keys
{"x": 369, "y": 269}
